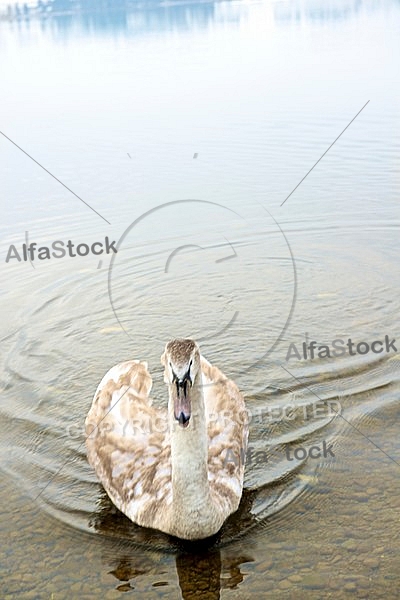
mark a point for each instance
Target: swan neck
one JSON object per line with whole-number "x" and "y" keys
{"x": 189, "y": 454}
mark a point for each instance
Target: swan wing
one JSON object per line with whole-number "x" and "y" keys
{"x": 227, "y": 436}
{"x": 128, "y": 443}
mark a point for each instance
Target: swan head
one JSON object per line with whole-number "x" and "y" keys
{"x": 182, "y": 364}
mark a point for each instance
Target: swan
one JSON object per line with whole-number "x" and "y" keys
{"x": 178, "y": 470}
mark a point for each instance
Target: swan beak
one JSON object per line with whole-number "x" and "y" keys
{"x": 182, "y": 403}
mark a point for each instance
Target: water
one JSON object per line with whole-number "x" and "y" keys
{"x": 185, "y": 127}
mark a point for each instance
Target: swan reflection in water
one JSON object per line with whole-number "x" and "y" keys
{"x": 204, "y": 568}
{"x": 200, "y": 575}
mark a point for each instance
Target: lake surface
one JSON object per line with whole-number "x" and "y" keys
{"x": 183, "y": 129}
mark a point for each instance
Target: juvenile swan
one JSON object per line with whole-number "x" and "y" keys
{"x": 178, "y": 470}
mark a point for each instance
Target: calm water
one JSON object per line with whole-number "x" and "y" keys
{"x": 185, "y": 127}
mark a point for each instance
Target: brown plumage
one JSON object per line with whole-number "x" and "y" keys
{"x": 184, "y": 479}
